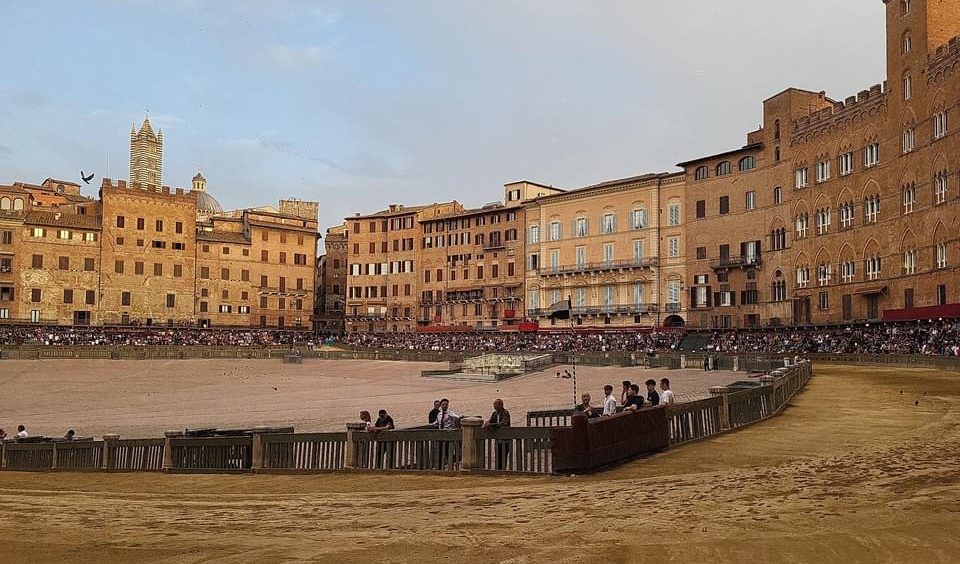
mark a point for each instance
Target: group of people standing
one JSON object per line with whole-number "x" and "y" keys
{"x": 630, "y": 398}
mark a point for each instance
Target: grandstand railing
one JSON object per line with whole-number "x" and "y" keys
{"x": 302, "y": 452}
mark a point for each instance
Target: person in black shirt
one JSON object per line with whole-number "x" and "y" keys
{"x": 432, "y": 417}
{"x": 585, "y": 407}
{"x": 634, "y": 399}
{"x": 499, "y": 419}
{"x": 384, "y": 448}
{"x": 652, "y": 396}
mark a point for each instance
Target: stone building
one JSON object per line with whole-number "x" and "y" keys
{"x": 383, "y": 264}
{"x": 471, "y": 267}
{"x": 332, "y": 281}
{"x": 838, "y": 211}
{"x": 615, "y": 250}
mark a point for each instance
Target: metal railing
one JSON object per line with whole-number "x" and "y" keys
{"x": 598, "y": 266}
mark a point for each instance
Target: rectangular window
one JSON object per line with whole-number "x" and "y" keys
{"x": 138, "y": 267}
{"x": 205, "y": 272}
{"x": 638, "y": 294}
{"x": 823, "y": 171}
{"x": 871, "y": 155}
{"x": 750, "y": 200}
{"x": 245, "y": 275}
{"x": 171, "y": 300}
{"x": 177, "y": 270}
{"x": 89, "y": 265}
{"x": 140, "y": 223}
{"x": 608, "y": 253}
{"x": 701, "y": 253}
{"x": 674, "y": 214}
{"x": 91, "y": 297}
{"x": 7, "y": 238}
{"x": 555, "y": 231}
{"x": 673, "y": 292}
{"x": 909, "y": 139}
{"x": 701, "y": 209}
{"x": 64, "y": 263}
{"x": 637, "y": 250}
{"x": 264, "y": 256}
{"x": 941, "y": 255}
{"x": 845, "y": 162}
{"x": 939, "y": 124}
{"x": 125, "y": 298}
{"x": 673, "y": 246}
{"x": 159, "y": 226}
{"x": 800, "y": 178}
{"x": 638, "y": 218}
{"x": 533, "y": 234}
{"x": 940, "y": 187}
{"x": 37, "y": 261}
{"x": 724, "y": 205}
{"x": 824, "y": 301}
{"x": 580, "y": 227}
{"x": 777, "y": 195}
{"x": 39, "y": 232}
{"x": 158, "y": 269}
{"x": 64, "y": 234}
{"x": 608, "y": 223}
{"x": 35, "y": 295}
{"x": 120, "y": 221}
{"x": 68, "y": 296}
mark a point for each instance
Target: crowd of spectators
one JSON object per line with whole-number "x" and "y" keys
{"x": 98, "y": 336}
{"x": 516, "y": 342}
{"x": 931, "y": 337}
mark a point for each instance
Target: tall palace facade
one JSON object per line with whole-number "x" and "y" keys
{"x": 145, "y": 254}
{"x": 834, "y": 211}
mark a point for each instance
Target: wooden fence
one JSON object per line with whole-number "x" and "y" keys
{"x": 533, "y": 449}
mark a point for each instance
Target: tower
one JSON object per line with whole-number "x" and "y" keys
{"x": 146, "y": 155}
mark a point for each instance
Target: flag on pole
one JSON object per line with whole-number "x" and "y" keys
{"x": 560, "y": 310}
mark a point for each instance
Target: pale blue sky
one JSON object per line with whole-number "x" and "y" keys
{"x": 360, "y": 104}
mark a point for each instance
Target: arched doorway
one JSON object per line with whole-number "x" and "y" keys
{"x": 673, "y": 321}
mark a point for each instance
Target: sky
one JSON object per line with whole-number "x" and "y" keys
{"x": 361, "y": 104}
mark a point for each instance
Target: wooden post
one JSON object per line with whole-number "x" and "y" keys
{"x": 258, "y": 451}
{"x": 168, "y": 449}
{"x": 722, "y": 391}
{"x": 3, "y": 454}
{"x": 736, "y": 364}
{"x": 109, "y": 452}
{"x": 470, "y": 459}
{"x": 350, "y": 449}
{"x": 53, "y": 458}
{"x": 683, "y": 361}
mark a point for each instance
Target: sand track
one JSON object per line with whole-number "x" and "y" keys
{"x": 852, "y": 472}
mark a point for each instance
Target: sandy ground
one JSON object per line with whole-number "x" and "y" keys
{"x": 852, "y": 472}
{"x": 139, "y": 399}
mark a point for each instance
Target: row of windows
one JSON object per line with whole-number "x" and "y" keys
{"x": 6, "y": 204}
{"x": 381, "y": 268}
{"x": 480, "y": 273}
{"x": 723, "y": 168}
{"x": 61, "y": 234}
{"x": 608, "y": 254}
{"x": 142, "y": 223}
{"x": 357, "y": 292}
{"x": 608, "y": 224}
{"x": 609, "y": 295}
{"x": 466, "y": 222}
{"x": 63, "y": 263}
{"x": 845, "y": 162}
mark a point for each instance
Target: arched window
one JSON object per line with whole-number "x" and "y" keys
{"x": 904, "y": 7}
{"x": 907, "y": 43}
{"x": 4, "y": 203}
{"x": 17, "y": 204}
{"x": 779, "y": 288}
{"x": 701, "y": 173}
{"x": 776, "y": 154}
{"x": 776, "y": 129}
{"x": 747, "y": 163}
{"x": 723, "y": 168}
{"x": 907, "y": 87}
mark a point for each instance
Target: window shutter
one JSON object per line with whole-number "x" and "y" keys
{"x": 709, "y": 297}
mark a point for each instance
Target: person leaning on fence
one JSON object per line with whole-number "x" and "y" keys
{"x": 432, "y": 416}
{"x": 365, "y": 418}
{"x": 624, "y": 392}
{"x": 499, "y": 419}
{"x": 446, "y": 419}
{"x": 584, "y": 407}
{"x": 384, "y": 448}
{"x": 609, "y": 402}
{"x": 71, "y": 435}
{"x": 666, "y": 394}
{"x": 652, "y": 396}
{"x": 3, "y": 434}
{"x": 22, "y": 432}
{"x": 634, "y": 400}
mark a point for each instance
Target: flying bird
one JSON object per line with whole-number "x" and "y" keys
{"x": 86, "y": 179}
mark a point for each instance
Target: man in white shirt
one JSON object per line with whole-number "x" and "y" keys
{"x": 21, "y": 432}
{"x": 446, "y": 419}
{"x": 666, "y": 394}
{"x": 609, "y": 402}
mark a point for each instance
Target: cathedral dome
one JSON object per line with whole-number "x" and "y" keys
{"x": 207, "y": 204}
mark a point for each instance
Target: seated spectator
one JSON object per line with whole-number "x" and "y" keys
{"x": 22, "y": 432}
{"x": 634, "y": 400}
{"x": 365, "y": 418}
{"x": 71, "y": 435}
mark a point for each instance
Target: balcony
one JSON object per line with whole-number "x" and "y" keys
{"x": 632, "y": 309}
{"x": 673, "y": 308}
{"x": 598, "y": 266}
{"x": 725, "y": 263}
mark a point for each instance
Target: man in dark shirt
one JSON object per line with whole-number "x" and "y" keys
{"x": 432, "y": 417}
{"x": 499, "y": 419}
{"x": 652, "y": 396}
{"x": 634, "y": 400}
{"x": 625, "y": 392}
{"x": 384, "y": 448}
{"x": 584, "y": 407}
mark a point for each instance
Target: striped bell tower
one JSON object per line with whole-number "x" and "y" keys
{"x": 146, "y": 155}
